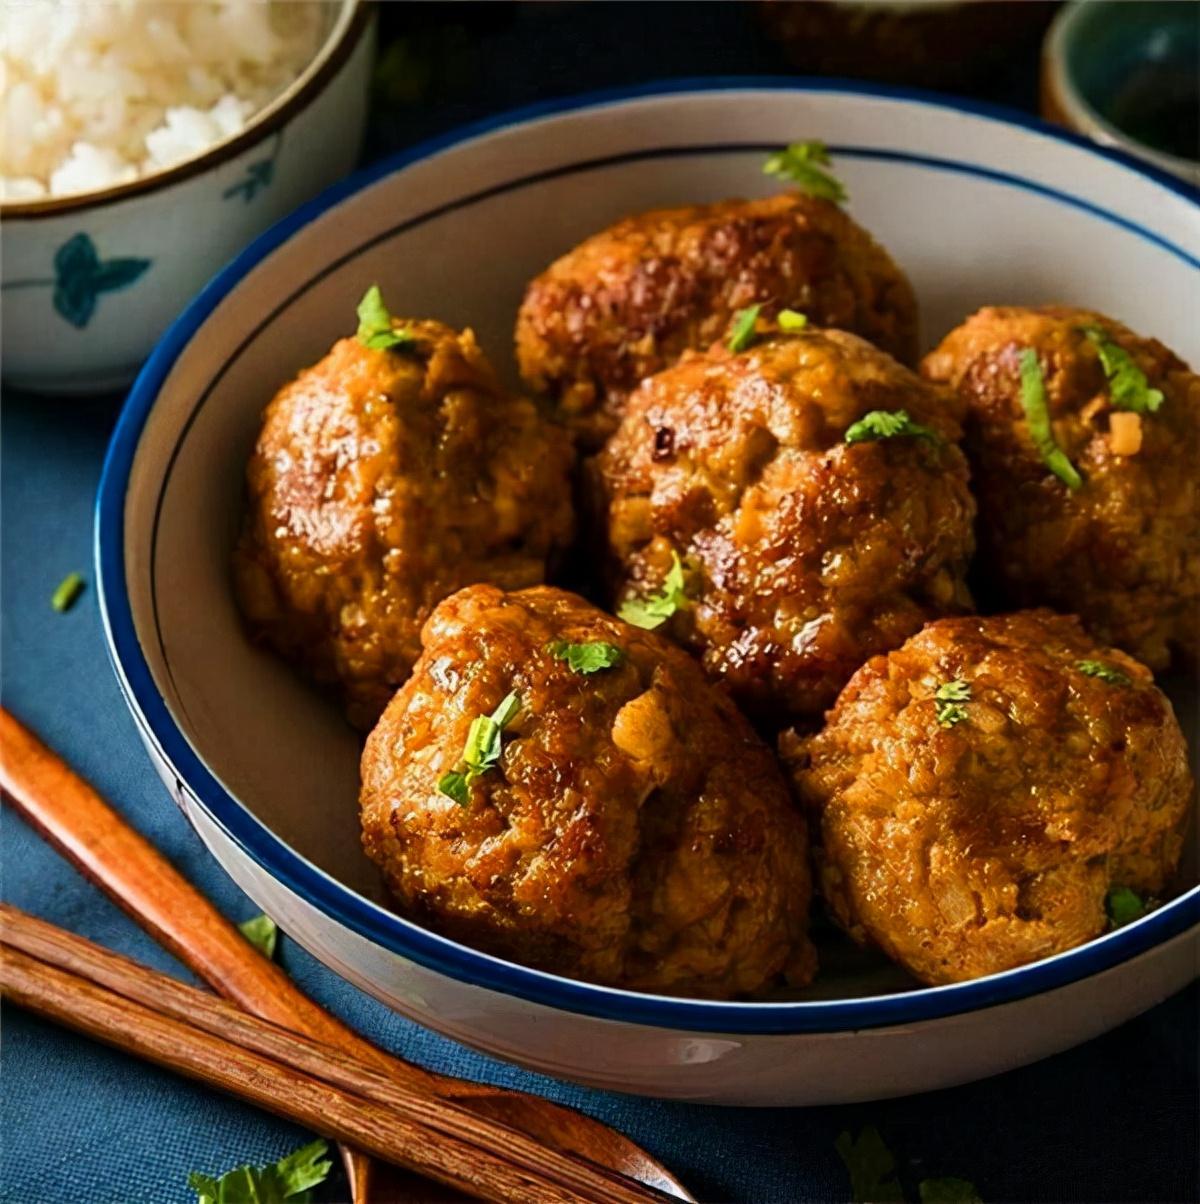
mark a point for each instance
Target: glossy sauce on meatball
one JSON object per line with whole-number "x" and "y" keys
{"x": 634, "y": 830}
{"x": 803, "y": 554}
{"x": 626, "y": 302}
{"x": 1123, "y": 550}
{"x": 381, "y": 482}
{"x": 978, "y": 792}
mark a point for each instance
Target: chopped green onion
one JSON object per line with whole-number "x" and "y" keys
{"x": 742, "y": 334}
{"x": 949, "y": 697}
{"x": 801, "y": 163}
{"x": 655, "y": 610}
{"x": 1104, "y": 672}
{"x": 791, "y": 320}
{"x": 1128, "y": 388}
{"x": 67, "y": 593}
{"x": 481, "y": 751}
{"x": 1037, "y": 416}
{"x": 589, "y": 657}
{"x": 375, "y": 330}
{"x": 262, "y": 933}
{"x": 1123, "y": 906}
{"x": 888, "y": 424}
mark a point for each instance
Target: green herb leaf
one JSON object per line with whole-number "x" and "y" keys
{"x": 885, "y": 424}
{"x": 262, "y": 932}
{"x": 743, "y": 335}
{"x": 949, "y": 697}
{"x": 1123, "y": 906}
{"x": 948, "y": 1191}
{"x": 801, "y": 162}
{"x": 375, "y": 323}
{"x": 1037, "y": 416}
{"x": 791, "y": 320}
{"x": 68, "y": 591}
{"x": 1128, "y": 388}
{"x": 454, "y": 785}
{"x": 587, "y": 658}
{"x": 655, "y": 610}
{"x": 872, "y": 1168}
{"x": 481, "y": 751}
{"x": 1104, "y": 672}
{"x": 290, "y": 1179}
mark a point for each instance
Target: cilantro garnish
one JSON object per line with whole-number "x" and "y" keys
{"x": 742, "y": 334}
{"x": 1104, "y": 672}
{"x": 1128, "y": 388}
{"x": 885, "y": 424}
{"x": 872, "y": 1168}
{"x": 791, "y": 320}
{"x": 590, "y": 657}
{"x": 68, "y": 591}
{"x": 375, "y": 323}
{"x": 801, "y": 162}
{"x": 655, "y": 610}
{"x": 289, "y": 1179}
{"x": 1037, "y": 416}
{"x": 873, "y": 1175}
{"x": 1123, "y": 906}
{"x": 262, "y": 932}
{"x": 950, "y": 696}
{"x": 481, "y": 751}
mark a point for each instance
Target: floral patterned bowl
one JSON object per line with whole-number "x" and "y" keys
{"x": 89, "y": 283}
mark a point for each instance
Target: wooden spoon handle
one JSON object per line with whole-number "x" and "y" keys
{"x": 94, "y": 837}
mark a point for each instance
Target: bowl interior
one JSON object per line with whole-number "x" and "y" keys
{"x": 977, "y": 211}
{"x": 1134, "y": 66}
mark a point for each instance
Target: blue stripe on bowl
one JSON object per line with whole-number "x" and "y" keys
{"x": 426, "y": 948}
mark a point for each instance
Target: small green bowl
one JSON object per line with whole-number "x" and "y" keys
{"x": 1125, "y": 74}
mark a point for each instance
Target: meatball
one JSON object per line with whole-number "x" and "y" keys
{"x": 381, "y": 482}
{"x": 980, "y": 790}
{"x": 626, "y": 302}
{"x": 631, "y": 828}
{"x": 1123, "y": 549}
{"x": 802, "y": 554}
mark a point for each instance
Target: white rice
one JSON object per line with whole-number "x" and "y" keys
{"x": 99, "y": 92}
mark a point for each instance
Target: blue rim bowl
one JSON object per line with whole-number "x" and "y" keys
{"x": 392, "y": 932}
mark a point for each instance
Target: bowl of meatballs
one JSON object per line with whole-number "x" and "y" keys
{"x": 694, "y": 591}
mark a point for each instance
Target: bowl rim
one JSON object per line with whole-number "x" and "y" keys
{"x": 389, "y": 931}
{"x": 350, "y": 23}
{"x": 1082, "y": 114}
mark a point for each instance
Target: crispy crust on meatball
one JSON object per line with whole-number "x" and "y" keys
{"x": 626, "y": 302}
{"x": 1122, "y": 552}
{"x": 635, "y": 833}
{"x": 803, "y": 555}
{"x": 969, "y": 849}
{"x": 381, "y": 482}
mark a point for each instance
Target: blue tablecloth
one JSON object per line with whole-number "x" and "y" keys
{"x": 1116, "y": 1120}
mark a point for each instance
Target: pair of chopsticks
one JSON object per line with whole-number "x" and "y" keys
{"x": 94, "y": 991}
{"x": 514, "y": 1127}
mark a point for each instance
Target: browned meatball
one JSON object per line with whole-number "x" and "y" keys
{"x": 1123, "y": 550}
{"x": 803, "y": 554}
{"x": 974, "y": 834}
{"x": 626, "y": 302}
{"x": 634, "y": 831}
{"x": 381, "y": 482}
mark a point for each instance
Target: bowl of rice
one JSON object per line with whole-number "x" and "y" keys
{"x": 145, "y": 143}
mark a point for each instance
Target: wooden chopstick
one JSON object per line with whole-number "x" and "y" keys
{"x": 95, "y": 991}
{"x": 74, "y": 819}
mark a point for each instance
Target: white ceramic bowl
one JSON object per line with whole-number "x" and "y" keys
{"x": 979, "y": 208}
{"x": 90, "y": 282}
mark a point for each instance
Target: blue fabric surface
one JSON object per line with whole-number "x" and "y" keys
{"x": 1115, "y": 1120}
